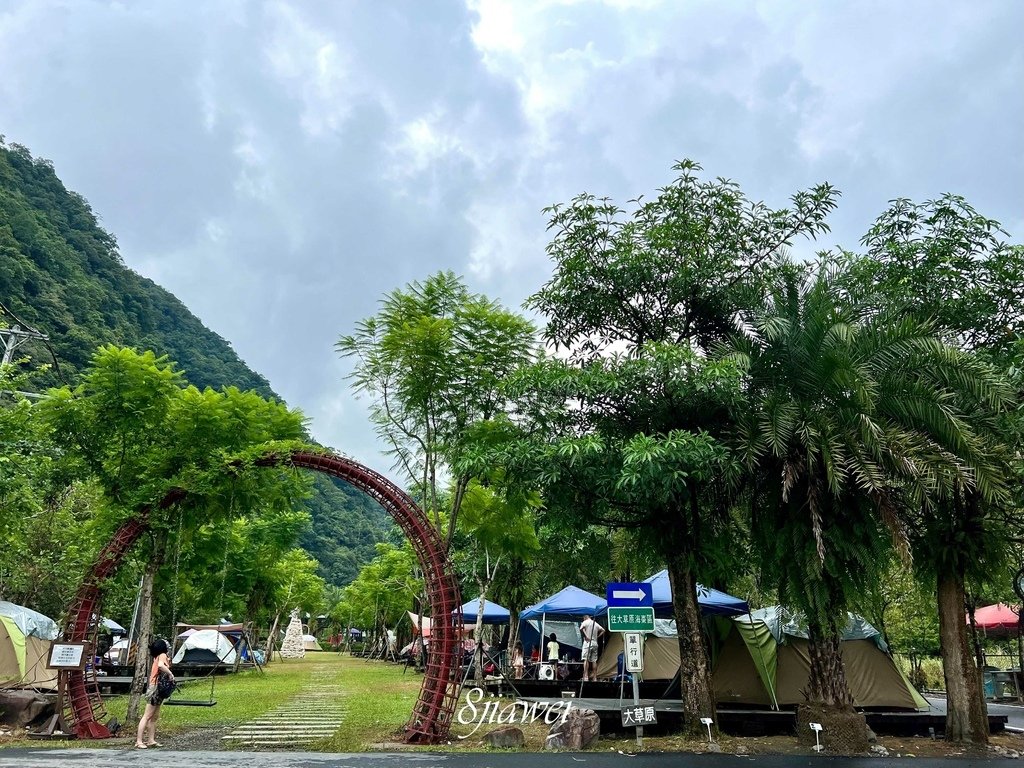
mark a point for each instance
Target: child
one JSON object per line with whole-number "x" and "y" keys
{"x": 518, "y": 663}
{"x": 553, "y": 648}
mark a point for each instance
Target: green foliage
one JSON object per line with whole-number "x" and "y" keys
{"x": 943, "y": 261}
{"x": 854, "y": 421}
{"x": 384, "y": 590}
{"x": 433, "y": 359}
{"x": 344, "y": 529}
{"x": 675, "y": 270}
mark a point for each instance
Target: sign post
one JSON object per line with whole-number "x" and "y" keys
{"x": 631, "y": 610}
{"x": 63, "y": 657}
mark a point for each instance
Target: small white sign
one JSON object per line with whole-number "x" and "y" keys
{"x": 66, "y": 655}
{"x": 634, "y": 649}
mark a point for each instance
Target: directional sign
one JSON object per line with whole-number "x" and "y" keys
{"x": 630, "y": 619}
{"x": 630, "y": 595}
{"x": 634, "y": 644}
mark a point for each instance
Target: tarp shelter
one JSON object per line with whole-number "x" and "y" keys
{"x": 493, "y": 613}
{"x": 999, "y": 620}
{"x": 560, "y": 613}
{"x": 424, "y": 623}
{"x": 113, "y": 627}
{"x": 310, "y": 643}
{"x": 712, "y": 601}
{"x": 25, "y": 640}
{"x": 206, "y": 646}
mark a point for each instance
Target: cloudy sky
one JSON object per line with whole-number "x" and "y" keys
{"x": 281, "y": 165}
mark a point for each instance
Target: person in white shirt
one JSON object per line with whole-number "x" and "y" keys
{"x": 591, "y": 632}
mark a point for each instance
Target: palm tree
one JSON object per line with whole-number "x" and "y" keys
{"x": 850, "y": 423}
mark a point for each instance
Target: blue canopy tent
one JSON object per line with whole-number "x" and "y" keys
{"x": 493, "y": 613}
{"x": 712, "y": 602}
{"x": 561, "y": 613}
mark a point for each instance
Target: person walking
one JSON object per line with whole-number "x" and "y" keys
{"x": 161, "y": 685}
{"x": 591, "y": 632}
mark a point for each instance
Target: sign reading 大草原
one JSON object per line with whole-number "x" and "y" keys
{"x": 637, "y": 715}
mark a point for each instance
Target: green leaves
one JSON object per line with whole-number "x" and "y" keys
{"x": 433, "y": 360}
{"x": 675, "y": 270}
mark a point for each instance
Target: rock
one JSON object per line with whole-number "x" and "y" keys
{"x": 872, "y": 737}
{"x": 879, "y": 750}
{"x": 21, "y": 708}
{"x": 508, "y": 737}
{"x": 712, "y": 747}
{"x": 580, "y": 729}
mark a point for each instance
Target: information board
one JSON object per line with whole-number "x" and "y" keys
{"x": 67, "y": 656}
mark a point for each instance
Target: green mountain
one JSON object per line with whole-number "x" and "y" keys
{"x": 61, "y": 273}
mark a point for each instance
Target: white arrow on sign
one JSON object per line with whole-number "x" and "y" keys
{"x": 628, "y": 594}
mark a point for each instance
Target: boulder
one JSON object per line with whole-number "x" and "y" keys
{"x": 580, "y": 729}
{"x": 21, "y": 708}
{"x": 508, "y": 737}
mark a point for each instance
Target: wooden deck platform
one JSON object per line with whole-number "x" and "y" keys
{"x": 762, "y": 722}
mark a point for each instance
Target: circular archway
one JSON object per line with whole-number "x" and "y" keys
{"x": 432, "y": 714}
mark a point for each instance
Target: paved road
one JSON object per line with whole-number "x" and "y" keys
{"x": 1013, "y": 712}
{"x": 111, "y": 758}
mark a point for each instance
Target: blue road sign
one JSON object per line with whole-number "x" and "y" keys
{"x": 639, "y": 595}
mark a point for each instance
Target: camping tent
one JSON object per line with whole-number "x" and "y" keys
{"x": 25, "y": 639}
{"x": 762, "y": 659}
{"x": 999, "y": 620}
{"x": 712, "y": 602}
{"x": 206, "y": 646}
{"x": 765, "y": 660}
{"x": 493, "y": 613}
{"x": 310, "y": 643}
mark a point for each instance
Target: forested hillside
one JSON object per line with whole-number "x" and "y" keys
{"x": 61, "y": 273}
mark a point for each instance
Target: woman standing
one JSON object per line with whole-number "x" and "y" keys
{"x": 159, "y": 673}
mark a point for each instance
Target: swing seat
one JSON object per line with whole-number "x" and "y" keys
{"x": 189, "y": 703}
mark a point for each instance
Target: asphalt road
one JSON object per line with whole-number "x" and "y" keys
{"x": 1013, "y": 712}
{"x": 111, "y": 758}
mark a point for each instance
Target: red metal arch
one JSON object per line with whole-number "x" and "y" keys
{"x": 432, "y": 715}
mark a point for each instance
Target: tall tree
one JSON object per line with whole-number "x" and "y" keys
{"x": 433, "y": 360}
{"x": 623, "y": 430}
{"x": 943, "y": 262}
{"x": 847, "y": 417}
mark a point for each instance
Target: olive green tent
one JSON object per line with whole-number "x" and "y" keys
{"x": 762, "y": 659}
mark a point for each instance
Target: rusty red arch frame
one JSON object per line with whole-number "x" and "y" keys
{"x": 431, "y": 716}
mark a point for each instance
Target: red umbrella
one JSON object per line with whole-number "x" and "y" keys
{"x": 997, "y": 619}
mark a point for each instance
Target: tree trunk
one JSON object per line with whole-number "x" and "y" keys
{"x": 694, "y": 668}
{"x": 966, "y": 713}
{"x": 140, "y": 679}
{"x": 478, "y": 658}
{"x": 827, "y": 681}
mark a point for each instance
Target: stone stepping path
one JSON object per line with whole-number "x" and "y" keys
{"x": 314, "y": 713}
